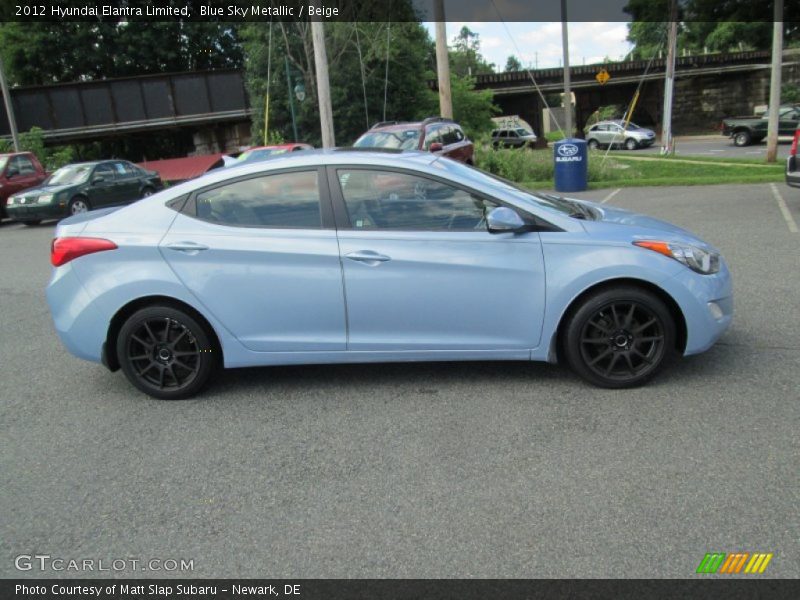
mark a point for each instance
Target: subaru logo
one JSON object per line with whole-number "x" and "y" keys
{"x": 567, "y": 150}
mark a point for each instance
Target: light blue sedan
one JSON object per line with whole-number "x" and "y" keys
{"x": 346, "y": 256}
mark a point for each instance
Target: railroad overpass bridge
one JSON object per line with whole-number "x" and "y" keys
{"x": 708, "y": 88}
{"x": 213, "y": 105}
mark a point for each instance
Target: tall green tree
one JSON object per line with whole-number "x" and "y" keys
{"x": 466, "y": 59}
{"x": 512, "y": 65}
{"x": 357, "y": 62}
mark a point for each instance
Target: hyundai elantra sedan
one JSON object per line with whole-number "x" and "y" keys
{"x": 344, "y": 256}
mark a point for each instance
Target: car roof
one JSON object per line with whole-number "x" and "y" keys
{"x": 278, "y": 146}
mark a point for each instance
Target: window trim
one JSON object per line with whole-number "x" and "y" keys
{"x": 189, "y": 207}
{"x": 342, "y": 217}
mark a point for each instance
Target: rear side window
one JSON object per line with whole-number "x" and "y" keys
{"x": 283, "y": 200}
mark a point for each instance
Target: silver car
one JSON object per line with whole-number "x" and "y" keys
{"x": 616, "y": 133}
{"x": 513, "y": 137}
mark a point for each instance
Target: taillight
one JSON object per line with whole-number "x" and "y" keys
{"x": 793, "y": 150}
{"x": 63, "y": 250}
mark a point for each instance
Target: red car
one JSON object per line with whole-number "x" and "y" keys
{"x": 257, "y": 153}
{"x": 18, "y": 171}
{"x": 435, "y": 134}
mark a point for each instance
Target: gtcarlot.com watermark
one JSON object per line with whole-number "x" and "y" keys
{"x": 57, "y": 564}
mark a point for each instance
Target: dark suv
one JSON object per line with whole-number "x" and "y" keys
{"x": 435, "y": 134}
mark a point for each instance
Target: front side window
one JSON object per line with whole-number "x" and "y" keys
{"x": 106, "y": 171}
{"x": 23, "y": 165}
{"x": 434, "y": 135}
{"x": 389, "y": 200}
{"x": 283, "y": 200}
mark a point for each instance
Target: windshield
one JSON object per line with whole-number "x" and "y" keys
{"x": 632, "y": 127}
{"x": 70, "y": 175}
{"x": 404, "y": 140}
{"x": 462, "y": 172}
{"x": 3, "y": 162}
{"x": 522, "y": 131}
{"x": 250, "y": 155}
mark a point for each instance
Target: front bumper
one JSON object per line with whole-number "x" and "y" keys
{"x": 35, "y": 212}
{"x": 706, "y": 302}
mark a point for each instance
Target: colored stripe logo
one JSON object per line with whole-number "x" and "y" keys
{"x": 733, "y": 563}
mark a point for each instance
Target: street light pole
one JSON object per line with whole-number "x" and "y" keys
{"x": 775, "y": 83}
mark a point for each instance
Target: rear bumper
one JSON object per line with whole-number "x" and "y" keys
{"x": 792, "y": 174}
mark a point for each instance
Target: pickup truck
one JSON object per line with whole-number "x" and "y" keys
{"x": 18, "y": 171}
{"x": 753, "y": 129}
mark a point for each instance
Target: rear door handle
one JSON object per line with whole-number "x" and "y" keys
{"x": 367, "y": 257}
{"x": 187, "y": 247}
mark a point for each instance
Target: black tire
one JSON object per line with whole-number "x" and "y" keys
{"x": 79, "y": 205}
{"x": 148, "y": 191}
{"x": 593, "y": 144}
{"x": 619, "y": 337}
{"x": 631, "y": 144}
{"x": 32, "y": 223}
{"x": 166, "y": 353}
{"x": 742, "y": 138}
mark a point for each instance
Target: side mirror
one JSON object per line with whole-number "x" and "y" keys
{"x": 98, "y": 179}
{"x": 436, "y": 147}
{"x": 503, "y": 220}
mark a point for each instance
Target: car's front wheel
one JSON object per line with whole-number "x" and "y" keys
{"x": 79, "y": 205}
{"x": 742, "y": 138}
{"x": 619, "y": 337}
{"x": 593, "y": 145}
{"x": 165, "y": 352}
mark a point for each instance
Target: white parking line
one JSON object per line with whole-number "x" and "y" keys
{"x": 784, "y": 209}
{"x": 611, "y": 195}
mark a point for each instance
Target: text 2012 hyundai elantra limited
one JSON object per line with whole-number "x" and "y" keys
{"x": 352, "y": 256}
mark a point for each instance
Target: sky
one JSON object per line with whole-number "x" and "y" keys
{"x": 540, "y": 43}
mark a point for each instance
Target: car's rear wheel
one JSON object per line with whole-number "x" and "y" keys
{"x": 593, "y": 145}
{"x": 742, "y": 138}
{"x": 79, "y": 205}
{"x": 165, "y": 352}
{"x": 631, "y": 144}
{"x": 619, "y": 337}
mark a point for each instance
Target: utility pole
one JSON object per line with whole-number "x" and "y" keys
{"x": 775, "y": 83}
{"x": 667, "y": 146}
{"x": 12, "y": 122}
{"x": 323, "y": 84}
{"x": 442, "y": 62}
{"x": 567, "y": 102}
{"x": 290, "y": 92}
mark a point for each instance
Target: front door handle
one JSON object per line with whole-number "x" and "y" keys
{"x": 187, "y": 247}
{"x": 368, "y": 257}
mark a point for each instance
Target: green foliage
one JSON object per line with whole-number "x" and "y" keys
{"x": 790, "y": 93}
{"x": 472, "y": 109}
{"x": 512, "y": 65}
{"x": 465, "y": 55}
{"x": 523, "y": 165}
{"x": 410, "y": 52}
{"x": 33, "y": 141}
{"x": 39, "y": 53}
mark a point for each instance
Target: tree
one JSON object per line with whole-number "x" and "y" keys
{"x": 40, "y": 53}
{"x": 465, "y": 56}
{"x": 410, "y": 66}
{"x": 472, "y": 109}
{"x": 512, "y": 65}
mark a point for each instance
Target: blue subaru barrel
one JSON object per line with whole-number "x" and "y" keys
{"x": 571, "y": 165}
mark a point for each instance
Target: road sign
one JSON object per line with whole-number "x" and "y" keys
{"x": 602, "y": 76}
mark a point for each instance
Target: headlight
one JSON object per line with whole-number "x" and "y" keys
{"x": 696, "y": 258}
{"x": 11, "y": 200}
{"x": 45, "y": 199}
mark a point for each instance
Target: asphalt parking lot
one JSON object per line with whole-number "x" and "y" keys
{"x": 721, "y": 147}
{"x": 436, "y": 470}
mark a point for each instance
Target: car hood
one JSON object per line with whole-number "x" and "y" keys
{"x": 638, "y": 226}
{"x": 46, "y": 189}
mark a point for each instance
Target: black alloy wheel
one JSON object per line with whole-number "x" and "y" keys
{"x": 620, "y": 338}
{"x": 165, "y": 353}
